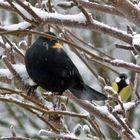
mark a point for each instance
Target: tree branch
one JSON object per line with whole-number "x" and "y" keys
{"x": 129, "y": 10}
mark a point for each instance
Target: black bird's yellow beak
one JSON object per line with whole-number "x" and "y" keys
{"x": 57, "y": 46}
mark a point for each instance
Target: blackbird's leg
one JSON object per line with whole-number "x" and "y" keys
{"x": 57, "y": 93}
{"x": 60, "y": 104}
{"x": 31, "y": 90}
{"x": 58, "y": 101}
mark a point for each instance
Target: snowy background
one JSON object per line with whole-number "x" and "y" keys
{"x": 28, "y": 124}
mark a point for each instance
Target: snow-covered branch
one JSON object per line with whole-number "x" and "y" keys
{"x": 130, "y": 11}
{"x": 103, "y": 114}
{"x": 74, "y": 21}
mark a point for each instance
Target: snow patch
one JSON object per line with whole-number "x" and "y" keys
{"x": 1, "y": 51}
{"x": 21, "y": 25}
{"x": 136, "y": 39}
{"x": 21, "y": 70}
{"x": 125, "y": 105}
{"x": 136, "y": 134}
{"x": 6, "y": 73}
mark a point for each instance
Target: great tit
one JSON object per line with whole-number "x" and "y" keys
{"x": 122, "y": 86}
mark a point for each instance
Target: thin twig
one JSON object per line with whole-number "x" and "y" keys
{"x": 9, "y": 42}
{"x": 123, "y": 125}
{"x": 97, "y": 129}
{"x": 20, "y": 13}
{"x": 101, "y": 8}
{"x": 125, "y": 47}
{"x": 117, "y": 63}
{"x": 15, "y": 138}
{"x": 58, "y": 136}
{"x": 89, "y": 45}
{"x": 129, "y": 10}
{"x": 44, "y": 111}
{"x": 88, "y": 17}
{"x": 4, "y": 5}
{"x": 105, "y": 117}
{"x": 137, "y": 57}
{"x": 94, "y": 26}
{"x": 14, "y": 72}
{"x": 29, "y": 10}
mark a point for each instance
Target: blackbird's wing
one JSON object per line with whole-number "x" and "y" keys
{"x": 66, "y": 67}
{"x": 64, "y": 71}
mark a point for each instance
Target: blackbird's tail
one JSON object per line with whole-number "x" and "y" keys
{"x": 87, "y": 93}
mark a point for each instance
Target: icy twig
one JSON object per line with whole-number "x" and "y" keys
{"x": 102, "y": 8}
{"x": 62, "y": 20}
{"x": 129, "y": 10}
{"x": 98, "y": 131}
{"x": 56, "y": 135}
{"x": 13, "y": 46}
{"x": 125, "y": 47}
{"x": 126, "y": 65}
{"x": 88, "y": 17}
{"x": 92, "y": 5}
{"x": 13, "y": 131}
{"x": 13, "y": 71}
{"x": 118, "y": 63}
{"x": 43, "y": 110}
{"x": 136, "y": 78}
{"x": 15, "y": 138}
{"x": 126, "y": 128}
{"x": 29, "y": 10}
{"x": 100, "y": 114}
{"x": 20, "y": 13}
{"x": 127, "y": 106}
{"x": 6, "y": 6}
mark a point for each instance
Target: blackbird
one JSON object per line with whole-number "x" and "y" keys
{"x": 50, "y": 67}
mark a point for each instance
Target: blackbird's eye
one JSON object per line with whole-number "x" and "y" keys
{"x": 45, "y": 44}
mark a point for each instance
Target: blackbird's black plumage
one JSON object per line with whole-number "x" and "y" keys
{"x": 50, "y": 67}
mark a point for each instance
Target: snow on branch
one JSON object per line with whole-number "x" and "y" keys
{"x": 112, "y": 119}
{"x": 91, "y": 5}
{"x": 55, "y": 135}
{"x": 130, "y": 11}
{"x": 74, "y": 21}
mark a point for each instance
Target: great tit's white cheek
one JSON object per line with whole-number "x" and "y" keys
{"x": 127, "y": 81}
{"x": 117, "y": 80}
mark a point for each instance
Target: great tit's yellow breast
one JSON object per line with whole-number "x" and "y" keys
{"x": 115, "y": 86}
{"x": 125, "y": 93}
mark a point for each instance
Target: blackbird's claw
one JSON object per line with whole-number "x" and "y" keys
{"x": 31, "y": 90}
{"x": 56, "y": 94}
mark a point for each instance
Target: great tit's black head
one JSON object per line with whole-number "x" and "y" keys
{"x": 123, "y": 76}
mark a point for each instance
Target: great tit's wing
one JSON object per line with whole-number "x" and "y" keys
{"x": 125, "y": 93}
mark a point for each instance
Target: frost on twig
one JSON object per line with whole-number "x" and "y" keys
{"x": 55, "y": 135}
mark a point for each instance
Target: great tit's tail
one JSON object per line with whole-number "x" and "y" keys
{"x": 87, "y": 93}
